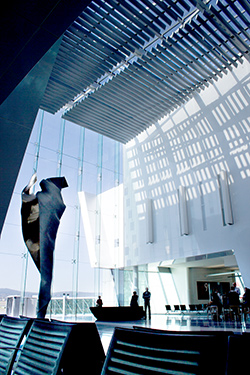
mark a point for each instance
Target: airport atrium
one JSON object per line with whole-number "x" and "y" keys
{"x": 144, "y": 108}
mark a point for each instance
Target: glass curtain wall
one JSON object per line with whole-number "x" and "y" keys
{"x": 160, "y": 283}
{"x": 90, "y": 163}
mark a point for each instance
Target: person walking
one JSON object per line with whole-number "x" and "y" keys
{"x": 146, "y": 296}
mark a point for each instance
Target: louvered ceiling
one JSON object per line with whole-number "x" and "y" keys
{"x": 124, "y": 65}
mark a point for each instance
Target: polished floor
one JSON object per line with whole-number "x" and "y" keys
{"x": 171, "y": 322}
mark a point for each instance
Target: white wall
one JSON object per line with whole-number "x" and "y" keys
{"x": 180, "y": 278}
{"x": 190, "y": 147}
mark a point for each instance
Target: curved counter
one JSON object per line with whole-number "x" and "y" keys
{"x": 119, "y": 313}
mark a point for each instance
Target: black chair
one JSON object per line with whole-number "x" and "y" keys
{"x": 58, "y": 347}
{"x": 183, "y": 308}
{"x": 177, "y": 308}
{"x": 168, "y": 308}
{"x": 12, "y": 332}
{"x": 153, "y": 352}
{"x": 224, "y": 334}
{"x": 199, "y": 308}
{"x": 192, "y": 308}
{"x": 238, "y": 351}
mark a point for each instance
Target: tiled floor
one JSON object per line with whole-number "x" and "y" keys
{"x": 171, "y": 323}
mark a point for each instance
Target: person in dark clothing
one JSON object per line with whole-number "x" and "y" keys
{"x": 246, "y": 302}
{"x": 146, "y": 296}
{"x": 234, "y": 303}
{"x": 99, "y": 302}
{"x": 134, "y": 300}
{"x": 236, "y": 288}
{"x": 216, "y": 301}
{"x": 246, "y": 297}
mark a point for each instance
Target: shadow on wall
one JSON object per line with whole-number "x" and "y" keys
{"x": 207, "y": 135}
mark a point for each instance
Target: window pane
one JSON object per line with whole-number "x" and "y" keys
{"x": 71, "y": 139}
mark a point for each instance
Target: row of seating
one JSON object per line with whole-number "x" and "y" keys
{"x": 39, "y": 347}
{"x": 148, "y": 351}
{"x": 198, "y": 308}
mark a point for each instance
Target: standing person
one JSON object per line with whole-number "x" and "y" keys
{"x": 216, "y": 301}
{"x": 134, "y": 300}
{"x": 99, "y": 302}
{"x": 234, "y": 304}
{"x": 246, "y": 302}
{"x": 236, "y": 288}
{"x": 146, "y": 296}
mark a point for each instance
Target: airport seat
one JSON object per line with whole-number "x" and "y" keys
{"x": 183, "y": 308}
{"x": 177, "y": 308}
{"x": 168, "y": 308}
{"x": 222, "y": 339}
{"x": 54, "y": 347}
{"x": 143, "y": 352}
{"x": 192, "y": 308}
{"x": 218, "y": 332}
{"x": 200, "y": 308}
{"x": 238, "y": 350}
{"x": 12, "y": 332}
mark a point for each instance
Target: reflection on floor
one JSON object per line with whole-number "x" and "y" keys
{"x": 171, "y": 323}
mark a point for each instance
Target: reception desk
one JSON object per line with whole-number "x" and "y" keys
{"x": 120, "y": 313}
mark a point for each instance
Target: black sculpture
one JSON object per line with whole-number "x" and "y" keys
{"x": 41, "y": 213}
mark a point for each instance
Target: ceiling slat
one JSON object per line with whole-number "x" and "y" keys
{"x": 110, "y": 33}
{"x": 226, "y": 30}
{"x": 171, "y": 9}
{"x": 160, "y": 13}
{"x": 191, "y": 75}
{"x": 234, "y": 20}
{"x": 176, "y": 71}
{"x": 203, "y": 50}
{"x": 160, "y": 87}
{"x": 235, "y": 8}
{"x": 245, "y": 5}
{"x": 154, "y": 19}
{"x": 93, "y": 61}
{"x": 214, "y": 49}
{"x": 216, "y": 36}
{"x": 149, "y": 23}
{"x": 129, "y": 14}
{"x": 131, "y": 105}
{"x": 82, "y": 48}
{"x": 181, "y": 55}
{"x": 123, "y": 20}
{"x": 123, "y": 65}
{"x": 99, "y": 43}
{"x": 145, "y": 97}
{"x": 172, "y": 77}
{"x": 196, "y": 58}
{"x": 100, "y": 33}
{"x": 117, "y": 24}
{"x": 101, "y": 109}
